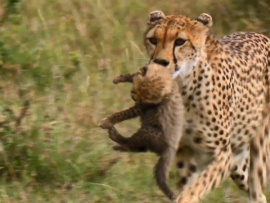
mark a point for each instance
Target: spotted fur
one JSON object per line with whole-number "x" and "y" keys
{"x": 226, "y": 97}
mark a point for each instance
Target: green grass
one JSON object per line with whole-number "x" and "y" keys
{"x": 61, "y": 56}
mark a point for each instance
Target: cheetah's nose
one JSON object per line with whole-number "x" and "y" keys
{"x": 162, "y": 62}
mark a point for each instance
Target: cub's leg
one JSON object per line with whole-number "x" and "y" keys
{"x": 129, "y": 77}
{"x": 120, "y": 116}
{"x": 124, "y": 78}
{"x": 148, "y": 138}
{"x": 144, "y": 139}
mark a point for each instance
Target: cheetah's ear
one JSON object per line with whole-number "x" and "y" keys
{"x": 205, "y": 19}
{"x": 155, "y": 16}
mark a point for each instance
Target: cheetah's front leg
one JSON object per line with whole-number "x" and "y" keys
{"x": 259, "y": 158}
{"x": 240, "y": 168}
{"x": 257, "y": 173}
{"x": 210, "y": 178}
{"x": 187, "y": 166}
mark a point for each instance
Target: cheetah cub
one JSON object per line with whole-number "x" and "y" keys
{"x": 159, "y": 104}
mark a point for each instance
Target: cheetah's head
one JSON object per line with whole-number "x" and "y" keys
{"x": 176, "y": 40}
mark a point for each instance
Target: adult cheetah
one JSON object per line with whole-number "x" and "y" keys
{"x": 226, "y": 97}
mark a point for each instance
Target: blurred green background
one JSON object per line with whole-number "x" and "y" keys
{"x": 57, "y": 61}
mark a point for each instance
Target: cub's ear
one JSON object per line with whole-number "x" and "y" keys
{"x": 205, "y": 19}
{"x": 155, "y": 16}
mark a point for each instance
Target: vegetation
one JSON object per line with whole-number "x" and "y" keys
{"x": 57, "y": 61}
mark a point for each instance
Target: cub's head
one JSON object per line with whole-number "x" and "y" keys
{"x": 176, "y": 40}
{"x": 152, "y": 84}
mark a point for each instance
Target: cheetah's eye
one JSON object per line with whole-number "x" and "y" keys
{"x": 179, "y": 42}
{"x": 153, "y": 40}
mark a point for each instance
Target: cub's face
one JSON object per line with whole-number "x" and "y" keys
{"x": 176, "y": 40}
{"x": 153, "y": 84}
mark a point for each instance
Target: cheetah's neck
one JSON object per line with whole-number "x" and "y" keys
{"x": 213, "y": 47}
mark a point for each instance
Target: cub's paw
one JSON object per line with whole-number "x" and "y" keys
{"x": 114, "y": 135}
{"x": 105, "y": 123}
{"x": 124, "y": 78}
{"x": 118, "y": 79}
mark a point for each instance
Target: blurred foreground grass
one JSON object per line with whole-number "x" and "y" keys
{"x": 57, "y": 61}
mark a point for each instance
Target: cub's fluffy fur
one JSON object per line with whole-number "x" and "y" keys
{"x": 159, "y": 104}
